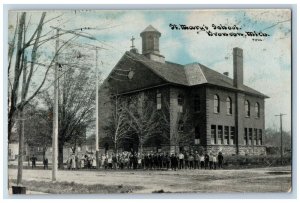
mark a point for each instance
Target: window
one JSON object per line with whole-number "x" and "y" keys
{"x": 180, "y": 103}
{"x": 260, "y": 137}
{"x": 247, "y": 108}
{"x": 180, "y": 126}
{"x": 216, "y": 104}
{"x": 232, "y": 135}
{"x": 220, "y": 134}
{"x": 226, "y": 135}
{"x": 213, "y": 134}
{"x": 197, "y": 135}
{"x": 158, "y": 100}
{"x": 257, "y": 110}
{"x": 197, "y": 103}
{"x": 229, "y": 105}
{"x": 255, "y": 137}
{"x": 245, "y": 136}
{"x": 250, "y": 136}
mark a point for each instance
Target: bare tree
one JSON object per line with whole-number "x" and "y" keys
{"x": 144, "y": 120}
{"x": 23, "y": 45}
{"x": 118, "y": 128}
{"x": 20, "y": 47}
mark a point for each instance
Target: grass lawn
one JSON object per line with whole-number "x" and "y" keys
{"x": 75, "y": 188}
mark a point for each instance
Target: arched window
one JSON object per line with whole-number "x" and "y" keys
{"x": 197, "y": 103}
{"x": 216, "y": 104}
{"x": 257, "y": 110}
{"x": 180, "y": 103}
{"x": 158, "y": 100}
{"x": 247, "y": 108}
{"x": 229, "y": 105}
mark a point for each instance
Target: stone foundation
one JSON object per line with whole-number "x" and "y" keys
{"x": 232, "y": 150}
{"x": 214, "y": 149}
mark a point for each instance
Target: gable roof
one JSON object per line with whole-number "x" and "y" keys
{"x": 190, "y": 74}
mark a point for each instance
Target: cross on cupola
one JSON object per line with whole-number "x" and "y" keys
{"x": 132, "y": 47}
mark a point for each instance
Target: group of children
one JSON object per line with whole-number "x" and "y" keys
{"x": 149, "y": 161}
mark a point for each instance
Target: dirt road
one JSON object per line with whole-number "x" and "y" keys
{"x": 276, "y": 179}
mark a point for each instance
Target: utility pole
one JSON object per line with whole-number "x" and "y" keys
{"x": 55, "y": 109}
{"x": 55, "y": 114}
{"x": 55, "y": 127}
{"x": 281, "y": 138}
{"x": 97, "y": 131}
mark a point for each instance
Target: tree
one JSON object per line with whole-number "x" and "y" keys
{"x": 144, "y": 120}
{"x": 38, "y": 128}
{"x": 76, "y": 106}
{"x": 27, "y": 44}
{"x": 118, "y": 127}
{"x": 22, "y": 46}
{"x": 272, "y": 139}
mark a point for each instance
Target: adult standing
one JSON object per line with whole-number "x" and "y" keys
{"x": 82, "y": 162}
{"x": 186, "y": 160}
{"x": 197, "y": 160}
{"x": 214, "y": 161}
{"x": 94, "y": 163}
{"x": 202, "y": 161}
{"x": 73, "y": 162}
{"x": 45, "y": 162}
{"x": 33, "y": 161}
{"x": 220, "y": 160}
{"x": 206, "y": 160}
{"x": 77, "y": 162}
{"x": 191, "y": 161}
{"x": 210, "y": 161}
{"x": 181, "y": 159}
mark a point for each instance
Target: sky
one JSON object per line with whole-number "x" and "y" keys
{"x": 267, "y": 59}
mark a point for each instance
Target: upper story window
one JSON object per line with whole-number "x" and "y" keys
{"x": 158, "y": 100}
{"x": 216, "y": 104}
{"x": 229, "y": 105}
{"x": 197, "y": 103}
{"x": 247, "y": 108}
{"x": 257, "y": 110}
{"x": 180, "y": 103}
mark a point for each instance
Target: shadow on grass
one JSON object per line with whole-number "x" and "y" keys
{"x": 75, "y": 188}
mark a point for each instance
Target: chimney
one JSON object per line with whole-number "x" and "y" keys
{"x": 226, "y": 74}
{"x": 150, "y": 44}
{"x": 238, "y": 72}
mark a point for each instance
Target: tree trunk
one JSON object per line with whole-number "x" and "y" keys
{"x": 115, "y": 147}
{"x": 141, "y": 147}
{"x": 60, "y": 155}
{"x": 21, "y": 134}
{"x": 21, "y": 149}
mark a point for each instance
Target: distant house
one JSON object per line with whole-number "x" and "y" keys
{"x": 225, "y": 115}
{"x": 13, "y": 151}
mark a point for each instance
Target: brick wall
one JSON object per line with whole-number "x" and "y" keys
{"x": 237, "y": 119}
